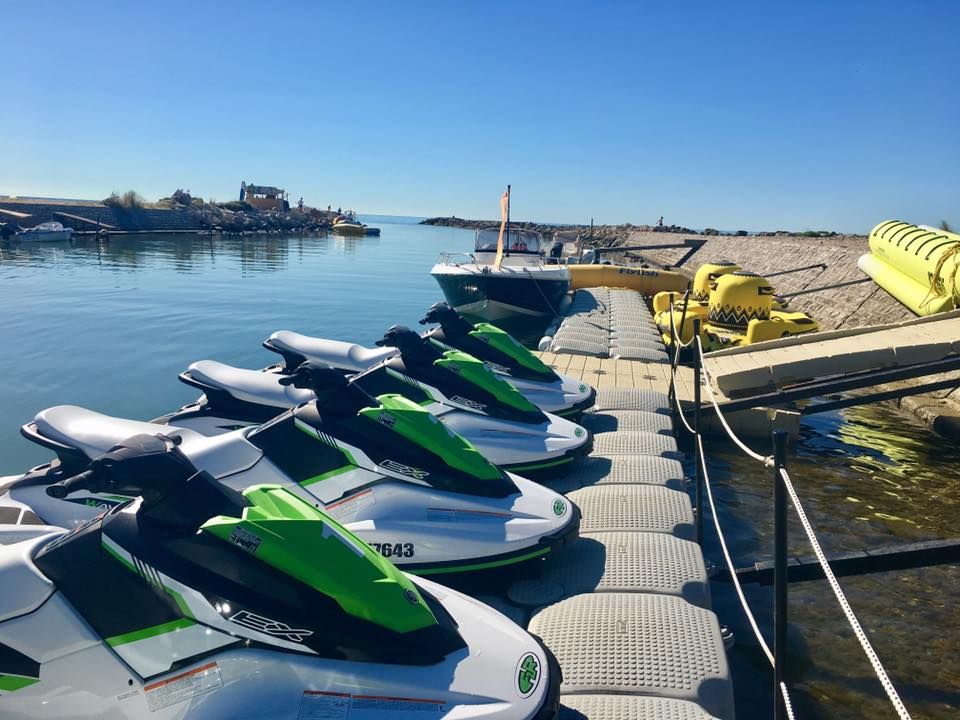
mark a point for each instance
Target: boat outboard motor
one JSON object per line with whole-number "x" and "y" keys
{"x": 559, "y": 394}
{"x": 195, "y": 599}
{"x": 384, "y": 467}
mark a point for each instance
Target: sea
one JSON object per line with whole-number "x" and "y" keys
{"x": 109, "y": 325}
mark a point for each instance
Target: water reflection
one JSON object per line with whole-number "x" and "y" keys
{"x": 867, "y": 476}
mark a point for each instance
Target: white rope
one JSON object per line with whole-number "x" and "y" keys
{"x": 766, "y": 460}
{"x": 786, "y": 700}
{"x": 677, "y": 340}
{"x": 726, "y": 554}
{"x": 683, "y": 419}
{"x": 702, "y": 459}
{"x": 845, "y": 606}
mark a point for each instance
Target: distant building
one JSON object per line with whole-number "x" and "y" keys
{"x": 264, "y": 197}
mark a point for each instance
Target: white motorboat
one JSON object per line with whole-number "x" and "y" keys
{"x": 45, "y": 232}
{"x": 520, "y": 284}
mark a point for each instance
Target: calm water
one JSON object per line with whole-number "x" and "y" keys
{"x": 109, "y": 326}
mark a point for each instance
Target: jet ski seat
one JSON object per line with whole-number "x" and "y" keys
{"x": 297, "y": 348}
{"x": 93, "y": 433}
{"x": 251, "y": 386}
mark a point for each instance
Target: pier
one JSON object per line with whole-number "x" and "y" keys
{"x": 626, "y": 608}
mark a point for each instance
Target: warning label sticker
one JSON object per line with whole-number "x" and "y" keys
{"x": 348, "y": 508}
{"x": 320, "y": 705}
{"x": 184, "y": 686}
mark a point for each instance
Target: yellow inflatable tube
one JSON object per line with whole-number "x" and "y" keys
{"x": 645, "y": 280}
{"x": 919, "y": 266}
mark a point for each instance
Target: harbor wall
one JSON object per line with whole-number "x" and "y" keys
{"x": 837, "y": 295}
{"x": 126, "y": 219}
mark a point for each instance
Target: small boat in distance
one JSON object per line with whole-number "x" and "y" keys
{"x": 521, "y": 284}
{"x": 45, "y": 232}
{"x": 347, "y": 224}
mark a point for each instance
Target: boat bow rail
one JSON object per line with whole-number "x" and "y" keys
{"x": 454, "y": 258}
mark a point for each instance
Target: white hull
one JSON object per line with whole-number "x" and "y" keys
{"x": 44, "y": 235}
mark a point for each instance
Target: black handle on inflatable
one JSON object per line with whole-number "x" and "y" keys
{"x": 63, "y": 488}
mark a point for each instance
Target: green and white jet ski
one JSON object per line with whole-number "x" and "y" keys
{"x": 385, "y": 468}
{"x": 195, "y": 601}
{"x": 539, "y": 383}
{"x": 459, "y": 389}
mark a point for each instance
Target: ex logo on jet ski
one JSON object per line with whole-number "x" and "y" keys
{"x": 270, "y": 627}
{"x": 401, "y": 469}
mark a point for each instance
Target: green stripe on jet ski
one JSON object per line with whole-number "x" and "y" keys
{"x": 505, "y": 343}
{"x": 328, "y": 474}
{"x": 177, "y": 597}
{"x": 483, "y": 565}
{"x": 12, "y": 683}
{"x": 149, "y": 632}
{"x": 129, "y": 565}
{"x": 538, "y": 466}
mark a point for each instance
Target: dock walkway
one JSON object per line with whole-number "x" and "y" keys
{"x": 626, "y": 608}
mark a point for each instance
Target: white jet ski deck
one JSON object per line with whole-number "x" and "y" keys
{"x": 198, "y": 598}
{"x": 384, "y": 467}
{"x": 548, "y": 390}
{"x": 461, "y": 391}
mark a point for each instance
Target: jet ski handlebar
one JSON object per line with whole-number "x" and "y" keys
{"x": 335, "y": 393}
{"x": 82, "y": 481}
{"x": 143, "y": 464}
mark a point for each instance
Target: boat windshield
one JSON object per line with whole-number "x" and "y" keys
{"x": 55, "y": 226}
{"x": 514, "y": 241}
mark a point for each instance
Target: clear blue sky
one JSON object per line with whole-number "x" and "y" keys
{"x": 759, "y": 115}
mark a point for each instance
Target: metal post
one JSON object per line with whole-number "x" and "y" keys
{"x": 779, "y": 571}
{"x": 696, "y": 428}
{"x": 673, "y": 367}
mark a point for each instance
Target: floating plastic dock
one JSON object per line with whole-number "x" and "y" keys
{"x": 626, "y": 607}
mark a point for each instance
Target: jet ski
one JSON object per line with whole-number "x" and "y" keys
{"x": 195, "y": 600}
{"x": 383, "y": 467}
{"x": 558, "y": 394}
{"x": 459, "y": 389}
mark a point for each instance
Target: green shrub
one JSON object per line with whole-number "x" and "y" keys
{"x": 129, "y": 200}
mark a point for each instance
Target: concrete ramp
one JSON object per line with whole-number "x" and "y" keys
{"x": 765, "y": 366}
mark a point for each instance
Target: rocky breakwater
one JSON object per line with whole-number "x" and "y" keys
{"x": 818, "y": 272}
{"x": 240, "y": 217}
{"x": 178, "y": 213}
{"x": 595, "y": 236}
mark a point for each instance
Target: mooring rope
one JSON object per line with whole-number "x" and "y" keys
{"x": 765, "y": 459}
{"x": 871, "y": 654}
{"x": 702, "y": 459}
{"x": 842, "y": 599}
{"x": 942, "y": 286}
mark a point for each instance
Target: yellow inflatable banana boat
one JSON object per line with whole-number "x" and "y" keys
{"x": 919, "y": 266}
{"x": 645, "y": 280}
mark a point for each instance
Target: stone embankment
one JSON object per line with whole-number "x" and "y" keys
{"x": 595, "y": 236}
{"x": 833, "y": 290}
{"x": 192, "y": 216}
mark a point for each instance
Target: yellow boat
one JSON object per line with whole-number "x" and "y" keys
{"x": 919, "y": 266}
{"x": 648, "y": 281}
